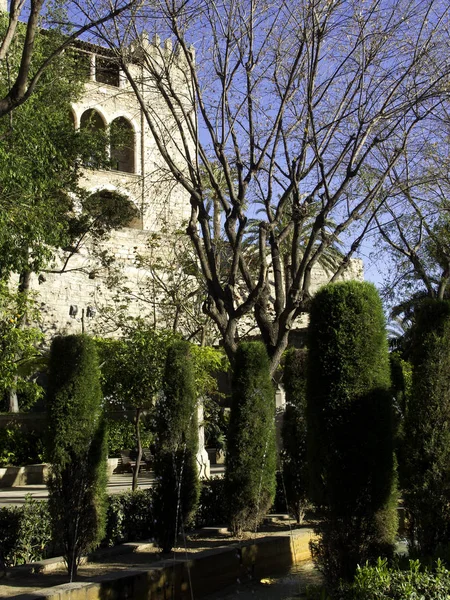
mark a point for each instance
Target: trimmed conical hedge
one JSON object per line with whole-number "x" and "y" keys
{"x": 251, "y": 452}
{"x": 350, "y": 437}
{"x": 177, "y": 490}
{"x": 427, "y": 431}
{"x": 294, "y": 463}
{"x": 76, "y": 447}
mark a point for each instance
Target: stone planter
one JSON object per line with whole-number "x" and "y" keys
{"x": 216, "y": 456}
{"x": 18, "y": 476}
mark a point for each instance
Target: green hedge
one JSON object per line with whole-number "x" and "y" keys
{"x": 427, "y": 431}
{"x": 76, "y": 447}
{"x": 251, "y": 453}
{"x": 349, "y": 419}
{"x": 211, "y": 509}
{"x": 25, "y": 533}
{"x": 381, "y": 582}
{"x": 129, "y": 517}
{"x": 177, "y": 486}
{"x": 19, "y": 447}
{"x": 293, "y": 433}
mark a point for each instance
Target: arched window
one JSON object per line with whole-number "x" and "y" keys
{"x": 122, "y": 145}
{"x": 91, "y": 120}
{"x": 94, "y": 126}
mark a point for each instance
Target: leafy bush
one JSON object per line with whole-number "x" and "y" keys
{"x": 381, "y": 582}
{"x": 350, "y": 437}
{"x": 129, "y": 517}
{"x": 25, "y": 533}
{"x": 122, "y": 436}
{"x": 211, "y": 511}
{"x": 251, "y": 453}
{"x": 19, "y": 447}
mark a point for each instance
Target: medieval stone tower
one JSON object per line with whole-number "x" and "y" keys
{"x": 69, "y": 300}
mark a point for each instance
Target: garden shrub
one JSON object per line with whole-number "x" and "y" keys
{"x": 381, "y": 582}
{"x": 177, "y": 486}
{"x": 19, "y": 447}
{"x": 129, "y": 517}
{"x": 76, "y": 448}
{"x": 350, "y": 436}
{"x": 25, "y": 533}
{"x": 122, "y": 436}
{"x": 211, "y": 510}
{"x": 251, "y": 453}
{"x": 293, "y": 456}
{"x": 427, "y": 431}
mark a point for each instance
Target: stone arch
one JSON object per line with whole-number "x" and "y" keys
{"x": 122, "y": 145}
{"x": 92, "y": 121}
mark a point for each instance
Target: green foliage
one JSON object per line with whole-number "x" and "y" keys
{"x": 427, "y": 430}
{"x": 251, "y": 453}
{"x": 38, "y": 161}
{"x": 25, "y": 533}
{"x": 133, "y": 367}
{"x": 129, "y": 517}
{"x": 350, "y": 437}
{"x": 76, "y": 447}
{"x": 177, "y": 490}
{"x": 295, "y": 470}
{"x": 18, "y": 345}
{"x": 19, "y": 447}
{"x": 381, "y": 582}
{"x": 208, "y": 362}
{"x": 212, "y": 510}
{"x": 401, "y": 377}
{"x": 122, "y": 436}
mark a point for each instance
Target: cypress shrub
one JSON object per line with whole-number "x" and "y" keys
{"x": 76, "y": 448}
{"x": 294, "y": 434}
{"x": 350, "y": 433}
{"x": 427, "y": 431}
{"x": 178, "y": 488}
{"x": 251, "y": 452}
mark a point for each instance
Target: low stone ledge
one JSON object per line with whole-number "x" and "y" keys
{"x": 204, "y": 573}
{"x": 37, "y": 474}
{"x": 19, "y": 476}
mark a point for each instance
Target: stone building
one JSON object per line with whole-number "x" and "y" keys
{"x": 69, "y": 299}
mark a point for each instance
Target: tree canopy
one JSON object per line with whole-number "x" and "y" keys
{"x": 293, "y": 114}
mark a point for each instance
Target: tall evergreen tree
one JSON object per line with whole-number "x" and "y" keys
{"x": 177, "y": 490}
{"x": 76, "y": 447}
{"x": 427, "y": 430}
{"x": 251, "y": 452}
{"x": 350, "y": 439}
{"x": 294, "y": 433}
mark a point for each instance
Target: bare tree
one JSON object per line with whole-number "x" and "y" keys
{"x": 292, "y": 101}
{"x": 415, "y": 222}
{"x": 81, "y": 17}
